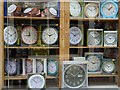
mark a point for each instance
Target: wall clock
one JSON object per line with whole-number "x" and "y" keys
{"x": 36, "y": 81}
{"x": 110, "y": 38}
{"x": 109, "y": 9}
{"x": 91, "y": 10}
{"x": 76, "y": 35}
{"x": 94, "y": 62}
{"x": 11, "y": 67}
{"x": 49, "y": 35}
{"x": 75, "y": 8}
{"x": 10, "y": 35}
{"x": 29, "y": 35}
{"x": 52, "y": 67}
{"x": 74, "y": 74}
{"x": 29, "y": 66}
{"x": 108, "y": 66}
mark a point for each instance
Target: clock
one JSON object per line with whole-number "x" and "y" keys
{"x": 74, "y": 74}
{"x": 91, "y": 10}
{"x": 94, "y": 62}
{"x": 76, "y": 35}
{"x": 29, "y": 35}
{"x": 76, "y": 8}
{"x": 29, "y": 66}
{"x": 110, "y": 38}
{"x": 53, "y": 11}
{"x": 10, "y": 35}
{"x": 109, "y": 9}
{"x": 108, "y": 66}
{"x": 50, "y": 35}
{"x": 36, "y": 81}
{"x": 95, "y": 37}
{"x": 11, "y": 67}
{"x": 11, "y": 8}
{"x": 52, "y": 67}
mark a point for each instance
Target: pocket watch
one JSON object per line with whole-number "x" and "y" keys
{"x": 75, "y": 8}
{"x": 39, "y": 66}
{"x": 10, "y": 35}
{"x": 36, "y": 81}
{"x": 11, "y": 67}
{"x": 29, "y": 35}
{"x": 75, "y": 35}
{"x": 91, "y": 10}
{"x": 49, "y": 35}
{"x": 29, "y": 66}
{"x": 109, "y": 9}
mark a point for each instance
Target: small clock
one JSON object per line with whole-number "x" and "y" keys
{"x": 29, "y": 35}
{"x": 94, "y": 62}
{"x": 76, "y": 35}
{"x": 91, "y": 10}
{"x": 11, "y": 67}
{"x": 53, "y": 11}
{"x": 52, "y": 67}
{"x": 50, "y": 35}
{"x": 36, "y": 81}
{"x": 11, "y": 8}
{"x": 10, "y": 35}
{"x": 29, "y": 66}
{"x": 109, "y": 9}
{"x": 108, "y": 66}
{"x": 110, "y": 38}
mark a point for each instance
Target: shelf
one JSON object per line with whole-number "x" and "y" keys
{"x": 99, "y": 75}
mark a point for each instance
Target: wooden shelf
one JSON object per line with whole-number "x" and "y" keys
{"x": 99, "y": 75}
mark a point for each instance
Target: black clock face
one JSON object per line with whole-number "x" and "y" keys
{"x": 74, "y": 76}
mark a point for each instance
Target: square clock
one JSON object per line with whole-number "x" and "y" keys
{"x": 74, "y": 74}
{"x": 95, "y": 37}
{"x": 110, "y": 38}
{"x": 94, "y": 62}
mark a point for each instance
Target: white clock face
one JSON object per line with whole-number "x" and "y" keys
{"x": 93, "y": 63}
{"x": 49, "y": 35}
{"x": 75, "y": 8}
{"x": 29, "y": 35}
{"x": 10, "y": 35}
{"x": 75, "y": 35}
{"x": 39, "y": 66}
{"x": 53, "y": 11}
{"x": 52, "y": 68}
{"x": 91, "y": 10}
{"x": 29, "y": 66}
{"x": 110, "y": 39}
{"x": 108, "y": 67}
{"x": 36, "y": 81}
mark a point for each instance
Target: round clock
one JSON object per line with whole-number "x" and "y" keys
{"x": 36, "y": 81}
{"x": 10, "y": 35}
{"x": 94, "y": 63}
{"x": 52, "y": 67}
{"x": 29, "y": 35}
{"x": 39, "y": 66}
{"x": 91, "y": 10}
{"x": 75, "y": 35}
{"x": 110, "y": 39}
{"x": 108, "y": 67}
{"x": 53, "y": 11}
{"x": 12, "y": 8}
{"x": 74, "y": 76}
{"x": 11, "y": 67}
{"x": 109, "y": 9}
{"x": 49, "y": 35}
{"x": 29, "y": 66}
{"x": 75, "y": 8}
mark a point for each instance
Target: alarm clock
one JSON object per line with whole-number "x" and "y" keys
{"x": 74, "y": 74}
{"x": 94, "y": 62}
{"x": 110, "y": 38}
{"x": 36, "y": 81}
{"x": 109, "y": 9}
{"x": 10, "y": 35}
{"x": 29, "y": 65}
{"x": 29, "y": 35}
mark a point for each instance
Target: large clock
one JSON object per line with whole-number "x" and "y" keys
{"x": 75, "y": 35}
{"x": 109, "y": 9}
{"x": 29, "y": 35}
{"x": 50, "y": 35}
{"x": 10, "y": 35}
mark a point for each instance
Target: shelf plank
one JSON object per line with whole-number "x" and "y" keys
{"x": 100, "y": 75}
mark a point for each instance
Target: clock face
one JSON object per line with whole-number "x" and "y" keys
{"x": 74, "y": 76}
{"x": 110, "y": 39}
{"x": 29, "y": 35}
{"x": 29, "y": 65}
{"x": 91, "y": 10}
{"x": 36, "y": 81}
{"x": 94, "y": 63}
{"x": 39, "y": 66}
{"x": 49, "y": 35}
{"x": 75, "y": 35}
{"x": 53, "y": 11}
{"x": 10, "y": 35}
{"x": 108, "y": 67}
{"x": 11, "y": 67}
{"x": 75, "y": 8}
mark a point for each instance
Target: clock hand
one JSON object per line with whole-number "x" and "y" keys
{"x": 110, "y": 8}
{"x": 89, "y": 9}
{"x": 72, "y": 74}
{"x": 35, "y": 81}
